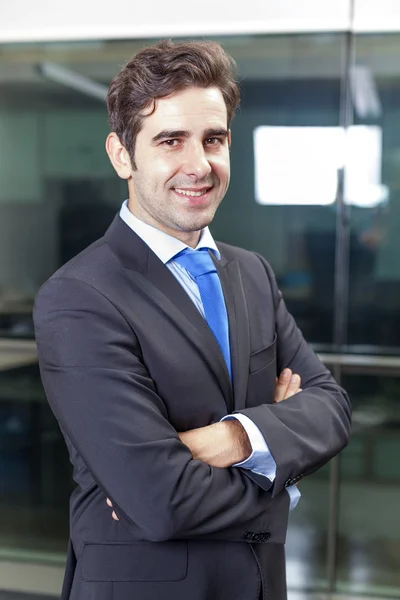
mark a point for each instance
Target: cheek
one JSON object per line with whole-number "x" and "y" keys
{"x": 222, "y": 169}
{"x": 163, "y": 168}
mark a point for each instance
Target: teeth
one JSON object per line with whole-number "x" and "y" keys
{"x": 189, "y": 193}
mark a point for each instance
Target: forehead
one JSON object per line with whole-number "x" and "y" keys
{"x": 190, "y": 108}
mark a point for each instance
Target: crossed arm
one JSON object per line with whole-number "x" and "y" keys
{"x": 88, "y": 355}
{"x": 226, "y": 443}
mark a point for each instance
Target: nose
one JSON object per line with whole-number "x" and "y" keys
{"x": 196, "y": 163}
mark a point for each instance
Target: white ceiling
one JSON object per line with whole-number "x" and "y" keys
{"x": 40, "y": 20}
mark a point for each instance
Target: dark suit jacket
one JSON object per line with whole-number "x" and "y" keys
{"x": 127, "y": 361}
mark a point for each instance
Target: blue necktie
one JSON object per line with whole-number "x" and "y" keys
{"x": 201, "y": 267}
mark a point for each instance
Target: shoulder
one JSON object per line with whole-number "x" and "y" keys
{"x": 84, "y": 264}
{"x": 86, "y": 273}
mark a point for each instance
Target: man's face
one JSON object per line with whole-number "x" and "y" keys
{"x": 182, "y": 160}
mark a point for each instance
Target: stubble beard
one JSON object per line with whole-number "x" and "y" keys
{"x": 173, "y": 218}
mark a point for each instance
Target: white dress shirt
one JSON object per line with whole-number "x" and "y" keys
{"x": 166, "y": 247}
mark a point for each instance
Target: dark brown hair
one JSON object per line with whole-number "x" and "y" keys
{"x": 158, "y": 71}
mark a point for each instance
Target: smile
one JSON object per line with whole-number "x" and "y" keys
{"x": 192, "y": 193}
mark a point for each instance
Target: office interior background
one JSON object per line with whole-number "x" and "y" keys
{"x": 315, "y": 188}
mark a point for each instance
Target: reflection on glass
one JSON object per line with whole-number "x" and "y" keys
{"x": 35, "y": 475}
{"x": 369, "y": 525}
{"x": 374, "y": 277}
{"x": 363, "y": 155}
{"x": 298, "y": 88}
{"x": 307, "y": 535}
{"x": 284, "y": 157}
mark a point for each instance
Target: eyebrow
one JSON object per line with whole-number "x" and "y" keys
{"x": 181, "y": 133}
{"x": 216, "y": 133}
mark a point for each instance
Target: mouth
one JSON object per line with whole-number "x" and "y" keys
{"x": 194, "y": 196}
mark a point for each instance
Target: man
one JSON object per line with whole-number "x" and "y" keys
{"x": 159, "y": 351}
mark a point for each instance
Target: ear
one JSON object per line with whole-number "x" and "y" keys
{"x": 118, "y": 155}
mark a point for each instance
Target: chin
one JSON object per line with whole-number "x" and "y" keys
{"x": 194, "y": 222}
{"x": 203, "y": 220}
{"x": 199, "y": 224}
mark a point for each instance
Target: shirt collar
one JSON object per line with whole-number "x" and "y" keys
{"x": 165, "y": 246}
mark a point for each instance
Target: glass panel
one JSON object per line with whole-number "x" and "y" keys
{"x": 369, "y": 525}
{"x": 289, "y": 83}
{"x": 373, "y": 194}
{"x": 58, "y": 193}
{"x": 35, "y": 481}
{"x": 287, "y": 147}
{"x": 306, "y": 542}
{"x": 291, "y": 86}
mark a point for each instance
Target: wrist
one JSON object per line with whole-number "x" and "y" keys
{"x": 239, "y": 442}
{"x": 222, "y": 444}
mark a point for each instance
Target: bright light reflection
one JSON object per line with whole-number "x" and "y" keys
{"x": 299, "y": 165}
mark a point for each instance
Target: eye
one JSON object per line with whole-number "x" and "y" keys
{"x": 170, "y": 143}
{"x": 213, "y": 141}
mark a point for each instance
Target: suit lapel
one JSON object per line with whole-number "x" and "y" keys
{"x": 154, "y": 280}
{"x": 239, "y": 336}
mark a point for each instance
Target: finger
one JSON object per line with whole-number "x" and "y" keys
{"x": 109, "y": 502}
{"x": 294, "y": 386}
{"x": 282, "y": 384}
{"x": 114, "y": 516}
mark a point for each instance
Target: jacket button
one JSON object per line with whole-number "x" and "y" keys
{"x": 267, "y": 535}
{"x": 256, "y": 537}
{"x": 248, "y": 535}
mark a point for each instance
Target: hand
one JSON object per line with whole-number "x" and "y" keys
{"x": 113, "y": 514}
{"x": 287, "y": 385}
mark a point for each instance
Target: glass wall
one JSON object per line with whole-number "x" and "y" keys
{"x": 369, "y": 525}
{"x": 290, "y": 148}
{"x": 374, "y": 307}
{"x": 291, "y": 90}
{"x": 58, "y": 193}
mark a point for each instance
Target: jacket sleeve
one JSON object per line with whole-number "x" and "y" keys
{"x": 308, "y": 429}
{"x": 108, "y": 406}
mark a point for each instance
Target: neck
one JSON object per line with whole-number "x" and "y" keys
{"x": 190, "y": 239}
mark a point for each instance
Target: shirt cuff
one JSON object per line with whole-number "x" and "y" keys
{"x": 260, "y": 460}
{"x": 295, "y": 495}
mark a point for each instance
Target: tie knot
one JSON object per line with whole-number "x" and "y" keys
{"x": 197, "y": 262}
